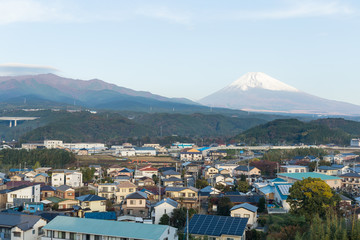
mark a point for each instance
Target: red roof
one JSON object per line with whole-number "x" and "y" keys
{"x": 148, "y": 169}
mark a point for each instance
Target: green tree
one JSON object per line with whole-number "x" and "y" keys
{"x": 37, "y": 165}
{"x": 224, "y": 206}
{"x": 164, "y": 220}
{"x": 311, "y": 196}
{"x": 201, "y": 183}
{"x": 243, "y": 186}
{"x": 155, "y": 178}
{"x": 262, "y": 205}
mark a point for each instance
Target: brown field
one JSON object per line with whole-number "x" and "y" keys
{"x": 131, "y": 162}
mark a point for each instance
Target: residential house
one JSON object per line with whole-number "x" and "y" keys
{"x": 210, "y": 172}
{"x": 165, "y": 206}
{"x": 170, "y": 174}
{"x": 21, "y": 226}
{"x": 64, "y": 205}
{"x": 190, "y": 154}
{"x": 63, "y": 227}
{"x": 47, "y": 191}
{"x": 333, "y": 170}
{"x": 245, "y": 210}
{"x": 33, "y": 207}
{"x": 281, "y": 194}
{"x": 145, "y": 182}
{"x": 71, "y": 178}
{"x": 42, "y": 178}
{"x": 172, "y": 182}
{"x": 239, "y": 198}
{"x": 186, "y": 196}
{"x": 17, "y": 178}
{"x": 332, "y": 181}
{"x": 16, "y": 196}
{"x": 147, "y": 171}
{"x": 123, "y": 189}
{"x": 247, "y": 170}
{"x": 351, "y": 180}
{"x": 107, "y": 190}
{"x": 217, "y": 227}
{"x": 208, "y": 191}
{"x": 65, "y": 192}
{"x": 137, "y": 204}
{"x": 91, "y": 203}
{"x": 227, "y": 166}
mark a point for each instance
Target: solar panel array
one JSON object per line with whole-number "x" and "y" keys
{"x": 284, "y": 189}
{"x": 217, "y": 225}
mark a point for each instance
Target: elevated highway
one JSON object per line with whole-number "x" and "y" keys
{"x": 16, "y": 119}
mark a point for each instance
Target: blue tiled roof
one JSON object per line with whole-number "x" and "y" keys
{"x": 90, "y": 197}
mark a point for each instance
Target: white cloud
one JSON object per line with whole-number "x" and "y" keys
{"x": 14, "y": 69}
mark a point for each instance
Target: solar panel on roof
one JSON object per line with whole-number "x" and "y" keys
{"x": 284, "y": 189}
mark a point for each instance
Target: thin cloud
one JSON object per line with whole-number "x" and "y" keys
{"x": 16, "y": 69}
{"x": 165, "y": 13}
{"x": 12, "y": 11}
{"x": 301, "y": 9}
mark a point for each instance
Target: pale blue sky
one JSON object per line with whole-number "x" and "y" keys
{"x": 187, "y": 48}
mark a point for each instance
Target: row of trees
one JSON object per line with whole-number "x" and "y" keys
{"x": 56, "y": 158}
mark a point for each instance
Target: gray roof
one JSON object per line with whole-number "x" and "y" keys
{"x": 172, "y": 179}
{"x": 63, "y": 188}
{"x": 170, "y": 172}
{"x": 247, "y": 206}
{"x": 22, "y": 221}
{"x": 90, "y": 198}
{"x": 137, "y": 195}
{"x": 169, "y": 201}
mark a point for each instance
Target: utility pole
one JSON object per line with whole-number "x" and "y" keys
{"x": 187, "y": 224}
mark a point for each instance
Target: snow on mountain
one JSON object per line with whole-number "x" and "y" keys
{"x": 259, "y": 92}
{"x": 260, "y": 80}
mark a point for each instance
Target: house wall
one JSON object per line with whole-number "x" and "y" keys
{"x": 121, "y": 193}
{"x": 162, "y": 209}
{"x": 30, "y": 192}
{"x": 74, "y": 179}
{"x": 31, "y": 234}
{"x": 244, "y": 213}
{"x": 137, "y": 203}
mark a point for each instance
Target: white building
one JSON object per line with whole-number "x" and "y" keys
{"x": 91, "y": 147}
{"x": 27, "y": 193}
{"x": 227, "y": 166}
{"x": 165, "y": 206}
{"x": 145, "y": 151}
{"x": 49, "y": 144}
{"x": 355, "y": 142}
{"x": 125, "y": 152}
{"x": 63, "y": 227}
{"x": 21, "y": 226}
{"x": 71, "y": 178}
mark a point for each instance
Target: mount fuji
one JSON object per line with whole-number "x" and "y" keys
{"x": 256, "y": 91}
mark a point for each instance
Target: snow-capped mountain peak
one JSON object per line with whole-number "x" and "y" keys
{"x": 260, "y": 80}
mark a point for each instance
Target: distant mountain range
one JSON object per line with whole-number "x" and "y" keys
{"x": 259, "y": 92}
{"x": 52, "y": 90}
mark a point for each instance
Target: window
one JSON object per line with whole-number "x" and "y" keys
{"x": 140, "y": 201}
{"x": 132, "y": 202}
{"x": 33, "y": 231}
{"x": 131, "y": 189}
{"x": 49, "y": 234}
{"x": 72, "y": 236}
{"x": 40, "y": 231}
{"x": 246, "y": 215}
{"x": 229, "y": 239}
{"x": 17, "y": 234}
{"x": 97, "y": 237}
{"x": 62, "y": 235}
{"x": 212, "y": 238}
